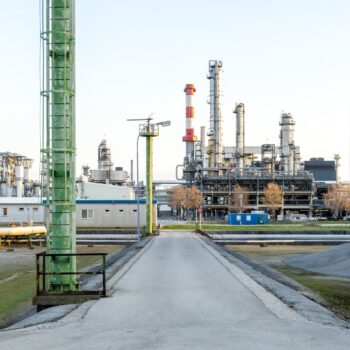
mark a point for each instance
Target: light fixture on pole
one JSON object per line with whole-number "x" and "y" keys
{"x": 148, "y": 130}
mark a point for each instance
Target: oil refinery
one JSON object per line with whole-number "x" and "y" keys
{"x": 217, "y": 169}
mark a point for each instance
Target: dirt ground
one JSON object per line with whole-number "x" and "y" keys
{"x": 334, "y": 291}
{"x": 274, "y": 253}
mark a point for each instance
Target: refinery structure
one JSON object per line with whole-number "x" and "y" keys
{"x": 16, "y": 176}
{"x": 217, "y": 169}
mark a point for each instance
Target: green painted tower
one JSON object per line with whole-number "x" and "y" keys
{"x": 59, "y": 149}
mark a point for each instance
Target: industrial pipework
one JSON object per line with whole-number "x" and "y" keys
{"x": 240, "y": 134}
{"x": 215, "y": 131}
{"x": 59, "y": 112}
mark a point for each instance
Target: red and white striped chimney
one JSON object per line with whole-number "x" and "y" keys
{"x": 189, "y": 138}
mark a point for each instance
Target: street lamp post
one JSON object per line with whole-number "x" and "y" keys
{"x": 138, "y": 189}
{"x": 149, "y": 131}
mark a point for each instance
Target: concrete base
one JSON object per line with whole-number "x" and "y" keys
{"x": 45, "y": 301}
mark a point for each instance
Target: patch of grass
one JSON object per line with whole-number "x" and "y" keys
{"x": 16, "y": 296}
{"x": 18, "y": 283}
{"x": 334, "y": 291}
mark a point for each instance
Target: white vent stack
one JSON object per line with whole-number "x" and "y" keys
{"x": 19, "y": 169}
{"x": 287, "y": 143}
{"x": 215, "y": 131}
{"x": 240, "y": 141}
{"x": 189, "y": 138}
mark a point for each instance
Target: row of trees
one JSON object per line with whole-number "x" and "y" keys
{"x": 184, "y": 198}
{"x": 337, "y": 199}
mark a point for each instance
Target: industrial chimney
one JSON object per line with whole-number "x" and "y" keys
{"x": 189, "y": 138}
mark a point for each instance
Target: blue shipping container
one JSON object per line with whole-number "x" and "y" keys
{"x": 247, "y": 219}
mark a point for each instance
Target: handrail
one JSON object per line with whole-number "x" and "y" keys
{"x": 42, "y": 273}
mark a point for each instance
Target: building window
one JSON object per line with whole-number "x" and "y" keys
{"x": 87, "y": 214}
{"x": 21, "y": 209}
{"x": 4, "y": 212}
{"x": 121, "y": 210}
{"x": 107, "y": 211}
{"x": 134, "y": 210}
{"x": 35, "y": 209}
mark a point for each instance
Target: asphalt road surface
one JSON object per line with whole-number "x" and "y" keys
{"x": 181, "y": 294}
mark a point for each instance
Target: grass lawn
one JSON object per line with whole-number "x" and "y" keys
{"x": 18, "y": 280}
{"x": 334, "y": 291}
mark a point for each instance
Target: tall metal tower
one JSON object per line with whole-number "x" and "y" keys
{"x": 59, "y": 145}
{"x": 240, "y": 134}
{"x": 215, "y": 131}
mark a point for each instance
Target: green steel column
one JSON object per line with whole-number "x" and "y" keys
{"x": 149, "y": 185}
{"x": 60, "y": 119}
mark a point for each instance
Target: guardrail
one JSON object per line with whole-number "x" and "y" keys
{"x": 42, "y": 274}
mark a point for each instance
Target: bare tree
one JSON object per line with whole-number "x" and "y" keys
{"x": 239, "y": 199}
{"x": 185, "y": 198}
{"x": 273, "y": 197}
{"x": 194, "y": 197}
{"x": 337, "y": 199}
{"x": 176, "y": 198}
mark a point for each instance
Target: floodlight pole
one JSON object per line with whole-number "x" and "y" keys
{"x": 148, "y": 131}
{"x": 138, "y": 189}
{"x": 149, "y": 185}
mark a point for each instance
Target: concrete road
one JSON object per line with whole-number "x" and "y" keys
{"x": 181, "y": 294}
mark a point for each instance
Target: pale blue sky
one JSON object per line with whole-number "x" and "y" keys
{"x": 134, "y": 58}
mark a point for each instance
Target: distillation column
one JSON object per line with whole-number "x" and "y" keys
{"x": 337, "y": 165}
{"x": 287, "y": 142}
{"x": 59, "y": 94}
{"x": 203, "y": 145}
{"x": 240, "y": 141}
{"x": 104, "y": 159}
{"x": 215, "y": 131}
{"x": 189, "y": 138}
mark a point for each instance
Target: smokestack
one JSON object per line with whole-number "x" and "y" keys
{"x": 189, "y": 138}
{"x": 215, "y": 131}
{"x": 240, "y": 141}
